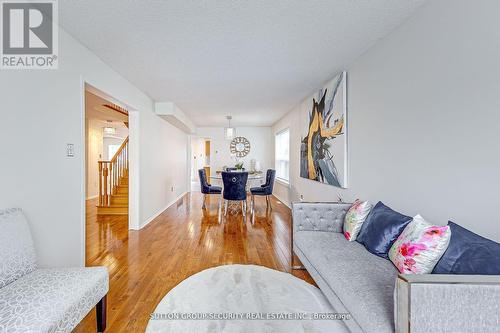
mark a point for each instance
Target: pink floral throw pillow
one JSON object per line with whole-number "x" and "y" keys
{"x": 419, "y": 247}
{"x": 354, "y": 218}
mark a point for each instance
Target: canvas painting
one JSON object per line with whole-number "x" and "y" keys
{"x": 323, "y": 151}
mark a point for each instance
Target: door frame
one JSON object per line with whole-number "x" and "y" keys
{"x": 134, "y": 150}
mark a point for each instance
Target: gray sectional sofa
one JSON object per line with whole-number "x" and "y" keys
{"x": 370, "y": 289}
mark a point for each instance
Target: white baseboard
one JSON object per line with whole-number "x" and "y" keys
{"x": 155, "y": 215}
{"x": 282, "y": 201}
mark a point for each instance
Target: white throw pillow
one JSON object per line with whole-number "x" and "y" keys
{"x": 354, "y": 218}
{"x": 419, "y": 247}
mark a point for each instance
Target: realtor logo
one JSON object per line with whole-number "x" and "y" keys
{"x": 29, "y": 34}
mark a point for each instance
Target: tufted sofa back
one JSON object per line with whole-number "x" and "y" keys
{"x": 325, "y": 216}
{"x": 17, "y": 253}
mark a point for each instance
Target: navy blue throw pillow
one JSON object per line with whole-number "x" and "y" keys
{"x": 381, "y": 228}
{"x": 469, "y": 253}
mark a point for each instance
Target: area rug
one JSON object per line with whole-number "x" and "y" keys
{"x": 244, "y": 298}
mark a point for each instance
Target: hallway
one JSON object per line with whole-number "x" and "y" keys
{"x": 144, "y": 265}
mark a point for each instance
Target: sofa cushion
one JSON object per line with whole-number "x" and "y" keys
{"x": 17, "y": 253}
{"x": 51, "y": 300}
{"x": 469, "y": 253}
{"x": 419, "y": 247}
{"x": 354, "y": 218}
{"x": 381, "y": 229}
{"x": 363, "y": 282}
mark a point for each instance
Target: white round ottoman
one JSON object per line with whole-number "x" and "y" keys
{"x": 243, "y": 298}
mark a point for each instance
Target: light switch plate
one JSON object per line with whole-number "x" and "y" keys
{"x": 70, "y": 150}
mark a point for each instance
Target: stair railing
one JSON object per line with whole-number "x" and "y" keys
{"x": 110, "y": 173}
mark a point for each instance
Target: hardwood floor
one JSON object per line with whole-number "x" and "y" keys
{"x": 144, "y": 265}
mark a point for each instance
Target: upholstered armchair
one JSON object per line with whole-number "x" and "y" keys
{"x": 44, "y": 300}
{"x": 206, "y": 188}
{"x": 235, "y": 189}
{"x": 264, "y": 190}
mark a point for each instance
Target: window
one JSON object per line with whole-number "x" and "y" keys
{"x": 282, "y": 155}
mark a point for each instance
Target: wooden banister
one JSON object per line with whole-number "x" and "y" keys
{"x": 111, "y": 172}
{"x": 120, "y": 150}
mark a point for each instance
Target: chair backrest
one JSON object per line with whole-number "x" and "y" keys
{"x": 203, "y": 181}
{"x": 235, "y": 185}
{"x": 270, "y": 177}
{"x": 229, "y": 169}
{"x": 17, "y": 252}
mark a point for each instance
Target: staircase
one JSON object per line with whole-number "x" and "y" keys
{"x": 113, "y": 183}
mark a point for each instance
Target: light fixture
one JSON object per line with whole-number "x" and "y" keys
{"x": 109, "y": 130}
{"x": 229, "y": 131}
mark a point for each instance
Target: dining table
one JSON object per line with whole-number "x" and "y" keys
{"x": 254, "y": 179}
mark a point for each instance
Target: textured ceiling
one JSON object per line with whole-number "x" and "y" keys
{"x": 252, "y": 59}
{"x": 95, "y": 109}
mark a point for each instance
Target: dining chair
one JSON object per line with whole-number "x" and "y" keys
{"x": 235, "y": 189}
{"x": 263, "y": 190}
{"x": 206, "y": 188}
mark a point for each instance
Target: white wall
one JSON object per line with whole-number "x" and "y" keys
{"x": 261, "y": 148}
{"x": 198, "y": 157}
{"x": 41, "y": 111}
{"x": 424, "y": 116}
{"x": 95, "y": 153}
{"x": 109, "y": 141}
{"x": 164, "y": 168}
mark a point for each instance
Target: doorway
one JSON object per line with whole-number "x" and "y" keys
{"x": 200, "y": 159}
{"x": 107, "y": 156}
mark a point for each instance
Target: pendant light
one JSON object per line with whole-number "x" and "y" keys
{"x": 229, "y": 131}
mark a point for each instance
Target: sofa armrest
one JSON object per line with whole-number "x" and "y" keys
{"x": 447, "y": 303}
{"x": 318, "y": 216}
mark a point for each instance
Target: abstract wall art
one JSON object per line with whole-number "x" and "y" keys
{"x": 323, "y": 149}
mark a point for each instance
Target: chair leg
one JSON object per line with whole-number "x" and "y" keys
{"x": 269, "y": 205}
{"x": 100, "y": 310}
{"x": 225, "y": 207}
{"x": 220, "y": 208}
{"x": 252, "y": 209}
{"x": 204, "y": 206}
{"x": 244, "y": 204}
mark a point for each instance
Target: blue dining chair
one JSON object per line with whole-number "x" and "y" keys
{"x": 230, "y": 169}
{"x": 206, "y": 188}
{"x": 235, "y": 189}
{"x": 264, "y": 190}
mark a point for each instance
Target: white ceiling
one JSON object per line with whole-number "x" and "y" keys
{"x": 252, "y": 59}
{"x": 95, "y": 109}
{"x": 104, "y": 116}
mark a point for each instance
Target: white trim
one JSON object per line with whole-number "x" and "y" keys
{"x": 282, "y": 201}
{"x": 283, "y": 130}
{"x": 283, "y": 182}
{"x": 155, "y": 215}
{"x": 83, "y": 175}
{"x": 134, "y": 174}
